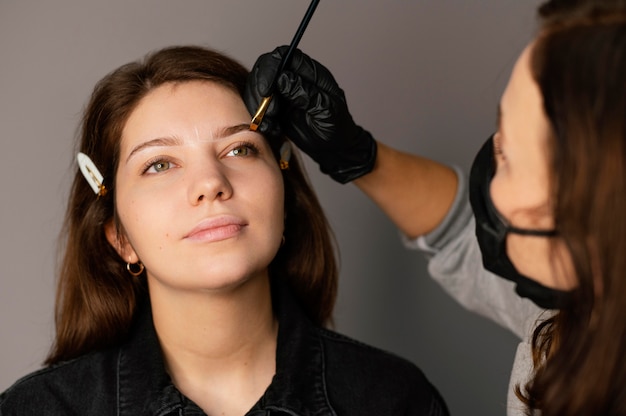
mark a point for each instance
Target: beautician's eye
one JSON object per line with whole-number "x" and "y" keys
{"x": 243, "y": 150}
{"x": 497, "y": 148}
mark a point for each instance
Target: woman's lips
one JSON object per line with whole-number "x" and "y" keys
{"x": 216, "y": 229}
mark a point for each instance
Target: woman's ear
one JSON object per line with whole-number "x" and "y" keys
{"x": 120, "y": 243}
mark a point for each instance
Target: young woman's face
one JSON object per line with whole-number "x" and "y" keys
{"x": 520, "y": 189}
{"x": 200, "y": 197}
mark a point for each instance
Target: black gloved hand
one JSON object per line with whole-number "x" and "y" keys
{"x": 309, "y": 107}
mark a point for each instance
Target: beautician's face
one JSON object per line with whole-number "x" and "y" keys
{"x": 520, "y": 188}
{"x": 200, "y": 196}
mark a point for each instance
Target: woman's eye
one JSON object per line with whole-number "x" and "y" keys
{"x": 158, "y": 166}
{"x": 243, "y": 150}
{"x": 161, "y": 166}
{"x": 240, "y": 151}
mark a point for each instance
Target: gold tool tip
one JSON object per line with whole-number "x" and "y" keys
{"x": 258, "y": 117}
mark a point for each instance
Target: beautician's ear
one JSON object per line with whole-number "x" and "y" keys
{"x": 120, "y": 243}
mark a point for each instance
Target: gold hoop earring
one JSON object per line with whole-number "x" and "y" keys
{"x": 135, "y": 273}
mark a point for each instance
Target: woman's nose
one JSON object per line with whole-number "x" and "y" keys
{"x": 209, "y": 182}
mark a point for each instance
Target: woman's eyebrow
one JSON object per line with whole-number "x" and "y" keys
{"x": 229, "y": 131}
{"x": 159, "y": 141}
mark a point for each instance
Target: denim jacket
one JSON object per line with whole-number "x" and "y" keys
{"x": 318, "y": 372}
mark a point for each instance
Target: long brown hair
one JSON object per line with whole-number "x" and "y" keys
{"x": 96, "y": 297}
{"x": 579, "y": 63}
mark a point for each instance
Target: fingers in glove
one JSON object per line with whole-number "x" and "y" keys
{"x": 313, "y": 72}
{"x": 265, "y": 69}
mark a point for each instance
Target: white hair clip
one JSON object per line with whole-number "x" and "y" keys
{"x": 91, "y": 174}
{"x": 285, "y": 155}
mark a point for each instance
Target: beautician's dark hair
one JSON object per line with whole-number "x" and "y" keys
{"x": 579, "y": 64}
{"x": 96, "y": 296}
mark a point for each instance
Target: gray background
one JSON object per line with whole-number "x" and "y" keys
{"x": 424, "y": 76}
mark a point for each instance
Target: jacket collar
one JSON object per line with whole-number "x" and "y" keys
{"x": 297, "y": 389}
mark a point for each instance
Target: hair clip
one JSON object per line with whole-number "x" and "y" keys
{"x": 91, "y": 173}
{"x": 285, "y": 155}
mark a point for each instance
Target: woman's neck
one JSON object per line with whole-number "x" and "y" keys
{"x": 219, "y": 347}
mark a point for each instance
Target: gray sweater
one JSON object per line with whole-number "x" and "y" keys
{"x": 455, "y": 263}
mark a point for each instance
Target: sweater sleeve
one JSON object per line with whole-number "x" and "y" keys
{"x": 455, "y": 262}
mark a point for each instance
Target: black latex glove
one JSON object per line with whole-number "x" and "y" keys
{"x": 310, "y": 109}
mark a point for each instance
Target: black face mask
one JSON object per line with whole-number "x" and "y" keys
{"x": 492, "y": 229}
